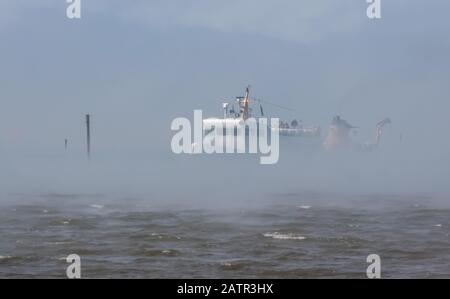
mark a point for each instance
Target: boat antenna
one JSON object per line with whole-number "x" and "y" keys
{"x": 225, "y": 109}
{"x": 275, "y": 105}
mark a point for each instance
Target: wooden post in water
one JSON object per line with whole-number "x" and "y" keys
{"x": 88, "y": 136}
{"x": 66, "y": 143}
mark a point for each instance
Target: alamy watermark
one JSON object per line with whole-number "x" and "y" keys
{"x": 374, "y": 269}
{"x": 227, "y": 136}
{"x": 73, "y": 11}
{"x": 374, "y": 9}
{"x": 74, "y": 269}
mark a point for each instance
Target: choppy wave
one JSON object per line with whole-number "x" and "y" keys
{"x": 5, "y": 257}
{"x": 280, "y": 236}
{"x": 273, "y": 241}
{"x": 95, "y": 206}
{"x": 304, "y": 207}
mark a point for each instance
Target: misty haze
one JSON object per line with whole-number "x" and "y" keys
{"x": 364, "y": 170}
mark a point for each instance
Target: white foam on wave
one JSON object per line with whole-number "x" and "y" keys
{"x": 280, "y": 236}
{"x": 304, "y": 207}
{"x": 2, "y": 257}
{"x": 58, "y": 243}
{"x": 97, "y": 206}
{"x": 226, "y": 264}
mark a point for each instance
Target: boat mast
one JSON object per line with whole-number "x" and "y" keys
{"x": 245, "y": 114}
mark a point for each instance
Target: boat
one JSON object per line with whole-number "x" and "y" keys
{"x": 235, "y": 114}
